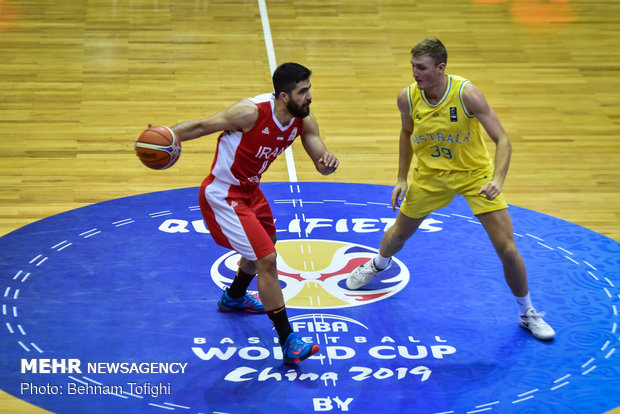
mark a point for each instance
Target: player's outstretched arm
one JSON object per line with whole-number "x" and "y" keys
{"x": 324, "y": 161}
{"x": 239, "y": 117}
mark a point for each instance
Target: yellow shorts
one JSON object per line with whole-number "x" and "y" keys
{"x": 434, "y": 189}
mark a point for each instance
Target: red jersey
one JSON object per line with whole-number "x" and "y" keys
{"x": 242, "y": 157}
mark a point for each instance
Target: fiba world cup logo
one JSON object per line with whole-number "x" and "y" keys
{"x": 312, "y": 274}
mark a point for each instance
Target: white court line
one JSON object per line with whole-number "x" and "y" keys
{"x": 590, "y": 266}
{"x": 160, "y": 406}
{"x": 560, "y": 385}
{"x": 488, "y": 404}
{"x": 162, "y": 214}
{"x": 93, "y": 381}
{"x": 78, "y": 380}
{"x": 586, "y": 372}
{"x": 178, "y": 406}
{"x": 65, "y": 246}
{"x": 523, "y": 399}
{"x": 565, "y": 251}
{"x": 36, "y": 347}
{"x": 271, "y": 56}
{"x": 58, "y": 244}
{"x": 528, "y": 392}
{"x": 461, "y": 216}
{"x": 534, "y": 237}
{"x": 545, "y": 246}
{"x": 572, "y": 260}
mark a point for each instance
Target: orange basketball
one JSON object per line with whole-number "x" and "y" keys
{"x": 158, "y": 147}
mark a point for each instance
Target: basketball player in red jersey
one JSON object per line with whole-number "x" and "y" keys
{"x": 255, "y": 132}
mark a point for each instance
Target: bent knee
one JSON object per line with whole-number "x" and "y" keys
{"x": 400, "y": 234}
{"x": 266, "y": 263}
{"x": 508, "y": 251}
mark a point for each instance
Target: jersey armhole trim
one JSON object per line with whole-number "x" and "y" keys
{"x": 467, "y": 114}
{"x": 410, "y": 102}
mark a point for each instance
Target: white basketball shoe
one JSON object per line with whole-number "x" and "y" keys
{"x": 363, "y": 274}
{"x": 534, "y": 323}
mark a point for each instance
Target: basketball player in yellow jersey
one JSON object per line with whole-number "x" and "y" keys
{"x": 441, "y": 119}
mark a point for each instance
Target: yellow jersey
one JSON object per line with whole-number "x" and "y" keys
{"x": 445, "y": 136}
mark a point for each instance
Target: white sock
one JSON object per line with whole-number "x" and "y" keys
{"x": 524, "y": 303}
{"x": 382, "y": 262}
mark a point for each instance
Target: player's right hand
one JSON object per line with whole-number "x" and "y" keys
{"x": 398, "y": 194}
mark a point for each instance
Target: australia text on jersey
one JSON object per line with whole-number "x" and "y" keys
{"x": 440, "y": 137}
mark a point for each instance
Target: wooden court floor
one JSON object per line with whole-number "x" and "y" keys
{"x": 80, "y": 79}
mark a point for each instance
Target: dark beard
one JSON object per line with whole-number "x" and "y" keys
{"x": 298, "y": 111}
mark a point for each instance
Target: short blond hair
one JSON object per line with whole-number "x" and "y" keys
{"x": 433, "y": 48}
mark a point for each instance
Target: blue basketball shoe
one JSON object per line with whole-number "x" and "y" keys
{"x": 250, "y": 302}
{"x": 296, "y": 349}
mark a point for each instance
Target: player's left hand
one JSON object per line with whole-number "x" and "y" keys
{"x": 328, "y": 163}
{"x": 491, "y": 190}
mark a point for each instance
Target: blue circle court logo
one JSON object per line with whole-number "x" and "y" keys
{"x": 111, "y": 308}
